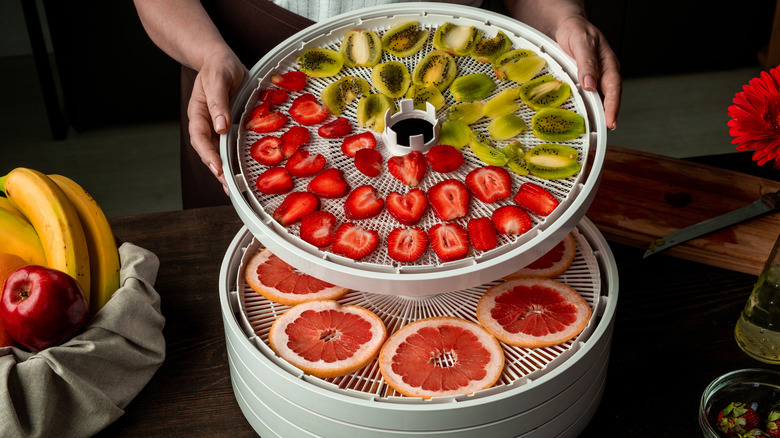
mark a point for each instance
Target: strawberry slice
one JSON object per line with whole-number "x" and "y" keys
{"x": 339, "y": 127}
{"x": 444, "y": 158}
{"x": 294, "y": 206}
{"x": 267, "y": 151}
{"x": 449, "y": 241}
{"x": 536, "y": 199}
{"x": 302, "y": 164}
{"x": 307, "y": 110}
{"x": 264, "y": 123}
{"x": 274, "y": 181}
{"x": 369, "y": 162}
{"x": 363, "y": 203}
{"x": 406, "y": 244}
{"x": 482, "y": 233}
{"x": 293, "y": 139}
{"x": 489, "y": 183}
{"x": 355, "y": 142}
{"x": 273, "y": 96}
{"x": 408, "y": 208}
{"x": 449, "y": 199}
{"x": 354, "y": 241}
{"x": 329, "y": 184}
{"x": 512, "y": 220}
{"x": 292, "y": 80}
{"x": 318, "y": 228}
{"x": 409, "y": 169}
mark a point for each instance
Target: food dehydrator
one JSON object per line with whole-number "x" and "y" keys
{"x": 550, "y": 391}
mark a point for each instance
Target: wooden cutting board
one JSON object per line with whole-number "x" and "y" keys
{"x": 642, "y": 197}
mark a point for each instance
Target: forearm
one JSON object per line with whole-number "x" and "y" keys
{"x": 545, "y": 15}
{"x": 182, "y": 29}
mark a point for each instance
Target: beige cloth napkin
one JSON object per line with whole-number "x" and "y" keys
{"x": 80, "y": 387}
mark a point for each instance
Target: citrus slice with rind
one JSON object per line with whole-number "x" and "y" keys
{"x": 533, "y": 312}
{"x": 276, "y": 280}
{"x": 326, "y": 339}
{"x": 553, "y": 263}
{"x": 441, "y": 356}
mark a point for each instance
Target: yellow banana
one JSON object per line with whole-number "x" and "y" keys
{"x": 103, "y": 253}
{"x": 18, "y": 237}
{"x": 5, "y": 204}
{"x": 55, "y": 220}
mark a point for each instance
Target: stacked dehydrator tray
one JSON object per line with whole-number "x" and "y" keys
{"x": 543, "y": 392}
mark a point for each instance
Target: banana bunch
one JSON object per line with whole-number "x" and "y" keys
{"x": 52, "y": 221}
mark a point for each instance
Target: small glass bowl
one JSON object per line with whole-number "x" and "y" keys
{"x": 757, "y": 388}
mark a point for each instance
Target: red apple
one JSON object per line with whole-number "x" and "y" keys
{"x": 42, "y": 307}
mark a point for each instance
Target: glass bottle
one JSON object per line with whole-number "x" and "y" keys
{"x": 758, "y": 329}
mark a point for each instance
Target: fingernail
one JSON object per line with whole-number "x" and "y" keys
{"x": 590, "y": 83}
{"x": 220, "y": 124}
{"x": 213, "y": 169}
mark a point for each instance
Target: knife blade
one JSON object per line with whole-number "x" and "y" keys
{"x": 767, "y": 203}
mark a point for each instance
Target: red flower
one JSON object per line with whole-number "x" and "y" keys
{"x": 755, "y": 118}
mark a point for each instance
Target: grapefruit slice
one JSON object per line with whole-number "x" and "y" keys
{"x": 533, "y": 312}
{"x": 441, "y": 356}
{"x": 276, "y": 280}
{"x": 553, "y": 263}
{"x": 326, "y": 339}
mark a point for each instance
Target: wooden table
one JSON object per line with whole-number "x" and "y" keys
{"x": 673, "y": 335}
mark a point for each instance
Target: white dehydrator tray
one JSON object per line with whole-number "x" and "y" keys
{"x": 543, "y": 392}
{"x": 379, "y": 273}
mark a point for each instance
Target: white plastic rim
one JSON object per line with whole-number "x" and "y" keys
{"x": 572, "y": 384}
{"x": 379, "y": 274}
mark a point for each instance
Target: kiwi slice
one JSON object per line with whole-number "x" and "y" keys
{"x": 506, "y": 127}
{"x": 437, "y": 68}
{"x": 456, "y": 40}
{"x": 467, "y": 112}
{"x": 421, "y": 94}
{"x": 553, "y": 161}
{"x": 523, "y": 69}
{"x": 361, "y": 48}
{"x": 404, "y": 39}
{"x": 489, "y": 49}
{"x": 557, "y": 124}
{"x": 320, "y": 63}
{"x": 513, "y": 149}
{"x": 481, "y": 146}
{"x": 391, "y": 78}
{"x": 471, "y": 87}
{"x": 337, "y": 95}
{"x": 454, "y": 133}
{"x": 371, "y": 111}
{"x": 502, "y": 103}
{"x": 511, "y": 56}
{"x": 544, "y": 92}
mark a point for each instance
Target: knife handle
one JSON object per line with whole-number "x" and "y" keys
{"x": 772, "y": 199}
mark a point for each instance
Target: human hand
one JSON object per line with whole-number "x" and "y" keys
{"x": 597, "y": 65}
{"x": 208, "y": 110}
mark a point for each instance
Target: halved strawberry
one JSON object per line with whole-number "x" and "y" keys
{"x": 354, "y": 241}
{"x": 273, "y": 96}
{"x": 294, "y": 138}
{"x": 369, "y": 162}
{"x": 406, "y": 244}
{"x": 307, "y": 110}
{"x": 489, "y": 183}
{"x": 449, "y": 241}
{"x": 302, "y": 164}
{"x": 449, "y": 199}
{"x": 512, "y": 220}
{"x": 408, "y": 208}
{"x": 267, "y": 151}
{"x": 292, "y": 80}
{"x": 409, "y": 169}
{"x": 482, "y": 233}
{"x": 444, "y": 158}
{"x": 536, "y": 199}
{"x": 270, "y": 122}
{"x": 362, "y": 203}
{"x": 355, "y": 142}
{"x": 329, "y": 184}
{"x": 274, "y": 181}
{"x": 295, "y": 206}
{"x": 339, "y": 127}
{"x": 318, "y": 228}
